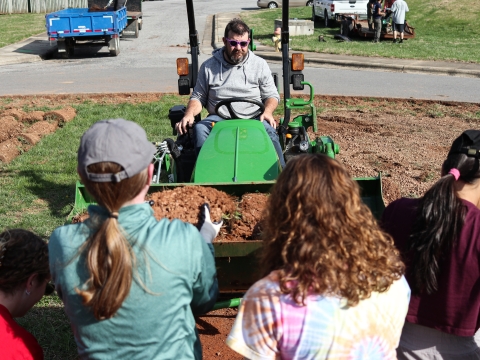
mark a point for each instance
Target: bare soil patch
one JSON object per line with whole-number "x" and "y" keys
{"x": 20, "y": 130}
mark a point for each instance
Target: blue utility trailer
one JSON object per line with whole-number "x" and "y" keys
{"x": 81, "y": 27}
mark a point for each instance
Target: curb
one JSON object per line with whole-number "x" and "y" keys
{"x": 375, "y": 66}
{"x": 33, "y": 49}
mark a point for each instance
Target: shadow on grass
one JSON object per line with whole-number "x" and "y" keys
{"x": 57, "y": 196}
{"x": 51, "y": 328}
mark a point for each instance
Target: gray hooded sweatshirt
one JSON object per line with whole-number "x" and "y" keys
{"x": 218, "y": 80}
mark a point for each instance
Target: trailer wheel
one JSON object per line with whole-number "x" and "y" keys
{"x": 140, "y": 22}
{"x": 114, "y": 46}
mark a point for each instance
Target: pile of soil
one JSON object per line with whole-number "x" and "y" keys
{"x": 241, "y": 216}
{"x": 20, "y": 130}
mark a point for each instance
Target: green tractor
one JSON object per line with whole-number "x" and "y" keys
{"x": 238, "y": 157}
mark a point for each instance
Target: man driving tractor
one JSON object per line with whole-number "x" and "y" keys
{"x": 232, "y": 72}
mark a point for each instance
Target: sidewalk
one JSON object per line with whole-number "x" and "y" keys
{"x": 346, "y": 61}
{"x": 35, "y": 48}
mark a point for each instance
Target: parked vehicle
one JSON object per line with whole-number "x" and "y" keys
{"x": 273, "y": 4}
{"x": 134, "y": 14}
{"x": 81, "y": 27}
{"x": 331, "y": 11}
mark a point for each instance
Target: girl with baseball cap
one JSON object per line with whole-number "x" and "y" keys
{"x": 130, "y": 284}
{"x": 439, "y": 238}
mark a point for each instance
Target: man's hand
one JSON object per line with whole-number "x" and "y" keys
{"x": 268, "y": 117}
{"x": 182, "y": 126}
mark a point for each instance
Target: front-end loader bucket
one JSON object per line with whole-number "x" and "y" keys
{"x": 237, "y": 262}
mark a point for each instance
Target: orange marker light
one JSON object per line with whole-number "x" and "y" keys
{"x": 182, "y": 66}
{"x": 288, "y": 136}
{"x": 213, "y": 123}
{"x": 297, "y": 62}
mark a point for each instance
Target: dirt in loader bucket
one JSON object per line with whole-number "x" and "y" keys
{"x": 241, "y": 216}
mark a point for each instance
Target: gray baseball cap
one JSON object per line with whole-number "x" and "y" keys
{"x": 115, "y": 140}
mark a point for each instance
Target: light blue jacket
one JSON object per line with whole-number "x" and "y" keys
{"x": 175, "y": 265}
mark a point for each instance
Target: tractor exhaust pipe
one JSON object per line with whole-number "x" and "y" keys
{"x": 285, "y": 60}
{"x": 193, "y": 36}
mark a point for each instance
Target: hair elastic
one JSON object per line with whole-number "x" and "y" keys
{"x": 455, "y": 173}
{"x": 113, "y": 214}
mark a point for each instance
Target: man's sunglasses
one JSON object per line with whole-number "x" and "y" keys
{"x": 234, "y": 43}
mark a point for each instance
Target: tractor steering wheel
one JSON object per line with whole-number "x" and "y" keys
{"x": 233, "y": 115}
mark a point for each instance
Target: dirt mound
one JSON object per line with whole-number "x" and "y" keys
{"x": 63, "y": 115}
{"x": 19, "y": 130}
{"x": 16, "y": 113}
{"x": 34, "y": 116}
{"x": 9, "y": 128}
{"x": 184, "y": 203}
{"x": 242, "y": 217}
{"x": 9, "y": 150}
{"x": 251, "y": 207}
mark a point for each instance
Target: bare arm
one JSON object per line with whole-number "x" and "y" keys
{"x": 194, "y": 107}
{"x": 270, "y": 106}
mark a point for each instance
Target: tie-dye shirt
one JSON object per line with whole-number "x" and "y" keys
{"x": 269, "y": 325}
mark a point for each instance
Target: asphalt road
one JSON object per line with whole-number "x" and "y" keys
{"x": 147, "y": 64}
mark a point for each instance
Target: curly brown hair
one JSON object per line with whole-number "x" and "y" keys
{"x": 22, "y": 253}
{"x": 321, "y": 238}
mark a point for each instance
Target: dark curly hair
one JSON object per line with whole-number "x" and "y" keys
{"x": 22, "y": 253}
{"x": 321, "y": 238}
{"x": 237, "y": 26}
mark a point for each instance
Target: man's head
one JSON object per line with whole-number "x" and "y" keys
{"x": 236, "y": 41}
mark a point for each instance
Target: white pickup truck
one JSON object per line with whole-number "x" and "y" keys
{"x": 331, "y": 10}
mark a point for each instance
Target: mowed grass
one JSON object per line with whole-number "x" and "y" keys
{"x": 17, "y": 27}
{"x": 37, "y": 191}
{"x": 445, "y": 30}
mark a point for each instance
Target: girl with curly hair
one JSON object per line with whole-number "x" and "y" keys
{"x": 333, "y": 284}
{"x": 24, "y": 276}
{"x": 438, "y": 236}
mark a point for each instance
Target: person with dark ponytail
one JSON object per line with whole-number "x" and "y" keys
{"x": 131, "y": 284}
{"x": 439, "y": 238}
{"x": 24, "y": 277}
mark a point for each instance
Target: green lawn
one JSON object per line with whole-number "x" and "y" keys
{"x": 37, "y": 192}
{"x": 17, "y": 27}
{"x": 445, "y": 30}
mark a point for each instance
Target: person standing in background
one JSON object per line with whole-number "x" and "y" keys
{"x": 399, "y": 8}
{"x": 370, "y": 6}
{"x": 377, "y": 20}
